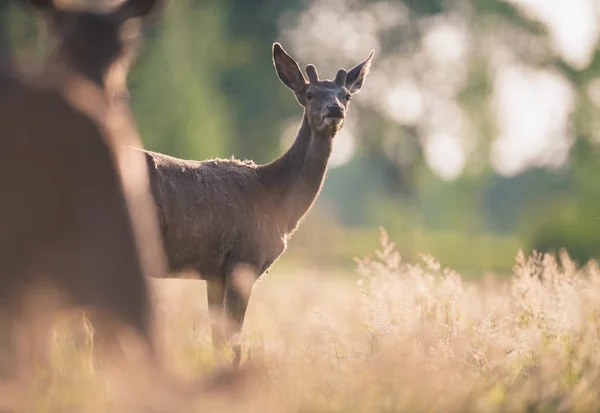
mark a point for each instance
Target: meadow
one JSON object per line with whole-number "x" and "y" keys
{"x": 395, "y": 337}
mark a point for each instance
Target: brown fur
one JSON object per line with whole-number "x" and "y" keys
{"x": 69, "y": 205}
{"x": 219, "y": 215}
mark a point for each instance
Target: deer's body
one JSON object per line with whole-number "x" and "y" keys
{"x": 209, "y": 211}
{"x": 58, "y": 165}
{"x": 220, "y": 215}
{"x": 65, "y": 217}
{"x": 217, "y": 211}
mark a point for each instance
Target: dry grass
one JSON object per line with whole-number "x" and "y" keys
{"x": 406, "y": 338}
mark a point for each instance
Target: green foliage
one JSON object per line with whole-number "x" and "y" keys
{"x": 475, "y": 253}
{"x": 19, "y": 33}
{"x": 175, "y": 86}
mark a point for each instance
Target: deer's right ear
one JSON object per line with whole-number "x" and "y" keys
{"x": 288, "y": 70}
{"x": 355, "y": 78}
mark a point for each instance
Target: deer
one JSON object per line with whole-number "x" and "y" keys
{"x": 76, "y": 218}
{"x": 96, "y": 50}
{"x": 230, "y": 219}
{"x": 59, "y": 164}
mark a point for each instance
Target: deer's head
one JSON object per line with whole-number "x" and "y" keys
{"x": 326, "y": 102}
{"x": 96, "y": 44}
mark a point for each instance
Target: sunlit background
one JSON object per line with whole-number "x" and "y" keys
{"x": 477, "y": 132}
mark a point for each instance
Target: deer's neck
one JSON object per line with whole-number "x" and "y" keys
{"x": 295, "y": 179}
{"x": 61, "y": 69}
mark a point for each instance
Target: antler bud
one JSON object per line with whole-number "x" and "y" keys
{"x": 312, "y": 73}
{"x": 340, "y": 78}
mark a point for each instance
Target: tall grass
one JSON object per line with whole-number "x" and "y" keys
{"x": 405, "y": 338}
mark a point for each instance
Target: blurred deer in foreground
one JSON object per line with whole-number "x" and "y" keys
{"x": 97, "y": 49}
{"x": 231, "y": 220}
{"x": 76, "y": 220}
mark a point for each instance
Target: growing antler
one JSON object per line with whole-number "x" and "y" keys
{"x": 340, "y": 78}
{"x": 312, "y": 73}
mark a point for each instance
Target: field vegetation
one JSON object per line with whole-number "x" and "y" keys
{"x": 399, "y": 337}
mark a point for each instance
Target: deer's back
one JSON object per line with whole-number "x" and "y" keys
{"x": 207, "y": 209}
{"x": 51, "y": 157}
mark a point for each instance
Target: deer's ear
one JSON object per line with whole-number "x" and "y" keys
{"x": 136, "y": 8}
{"x": 288, "y": 70}
{"x": 357, "y": 75}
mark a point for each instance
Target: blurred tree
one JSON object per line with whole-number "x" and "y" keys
{"x": 258, "y": 100}
{"x": 175, "y": 83}
{"x": 4, "y": 42}
{"x": 20, "y": 34}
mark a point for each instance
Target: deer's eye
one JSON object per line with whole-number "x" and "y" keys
{"x": 348, "y": 96}
{"x": 309, "y": 96}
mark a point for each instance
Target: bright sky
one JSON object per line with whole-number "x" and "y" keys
{"x": 573, "y": 25}
{"x": 532, "y": 108}
{"x": 445, "y": 155}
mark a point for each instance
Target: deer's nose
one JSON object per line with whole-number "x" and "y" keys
{"x": 335, "y": 111}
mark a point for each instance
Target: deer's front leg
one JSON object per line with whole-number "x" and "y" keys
{"x": 238, "y": 288}
{"x": 215, "y": 290}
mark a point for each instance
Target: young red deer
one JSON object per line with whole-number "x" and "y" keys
{"x": 227, "y": 217}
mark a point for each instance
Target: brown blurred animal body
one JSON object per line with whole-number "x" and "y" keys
{"x": 222, "y": 217}
{"x": 73, "y": 204}
{"x": 64, "y": 205}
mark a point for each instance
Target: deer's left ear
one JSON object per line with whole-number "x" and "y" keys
{"x": 357, "y": 75}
